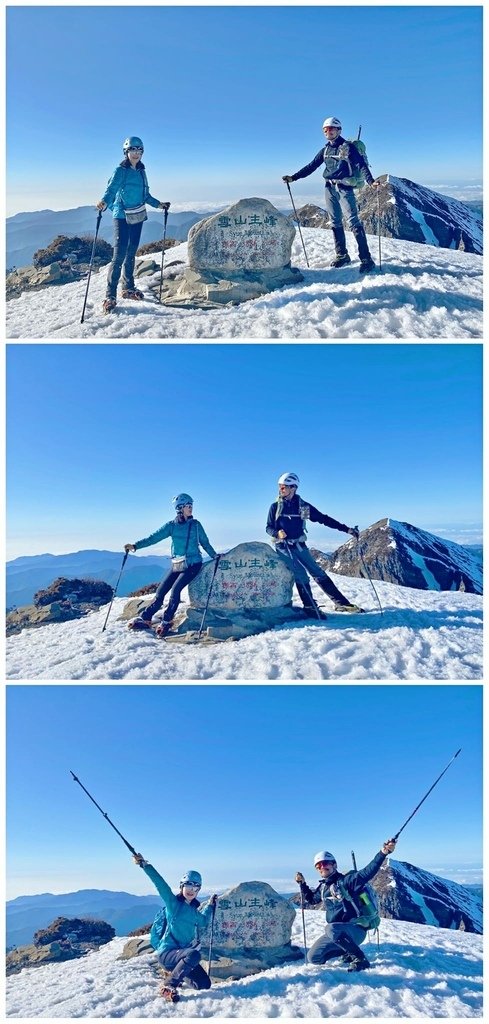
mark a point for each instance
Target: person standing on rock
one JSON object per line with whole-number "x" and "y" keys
{"x": 342, "y": 163}
{"x": 126, "y": 195}
{"x": 187, "y": 537}
{"x": 286, "y": 524}
{"x": 178, "y": 945}
{"x": 345, "y": 901}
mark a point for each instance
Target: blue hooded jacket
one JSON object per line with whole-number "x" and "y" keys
{"x": 189, "y": 535}
{"x": 185, "y": 921}
{"x": 127, "y": 187}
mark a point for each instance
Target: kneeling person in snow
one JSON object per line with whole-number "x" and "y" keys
{"x": 178, "y": 948}
{"x": 340, "y": 896}
{"x": 187, "y": 537}
{"x": 286, "y": 525}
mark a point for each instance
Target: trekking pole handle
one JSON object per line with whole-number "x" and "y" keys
{"x": 104, "y": 814}
{"x": 396, "y": 837}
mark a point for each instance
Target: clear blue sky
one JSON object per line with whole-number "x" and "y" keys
{"x": 228, "y": 99}
{"x": 240, "y": 782}
{"x": 100, "y": 438}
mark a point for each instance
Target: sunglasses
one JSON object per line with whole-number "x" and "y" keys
{"x": 135, "y": 149}
{"x": 324, "y": 863}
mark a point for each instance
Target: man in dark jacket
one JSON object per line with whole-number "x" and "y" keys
{"x": 342, "y": 164}
{"x": 286, "y": 524}
{"x": 340, "y": 897}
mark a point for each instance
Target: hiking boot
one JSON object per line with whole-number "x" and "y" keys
{"x": 314, "y": 613}
{"x": 139, "y": 623}
{"x": 132, "y": 293}
{"x": 359, "y": 965}
{"x": 347, "y": 958}
{"x": 340, "y": 261}
{"x": 169, "y": 993}
{"x": 109, "y": 305}
{"x": 163, "y": 628}
{"x": 367, "y": 265}
{"x": 347, "y": 608}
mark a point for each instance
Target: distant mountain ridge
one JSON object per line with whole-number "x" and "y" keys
{"x": 29, "y": 573}
{"x": 27, "y": 232}
{"x": 123, "y": 910}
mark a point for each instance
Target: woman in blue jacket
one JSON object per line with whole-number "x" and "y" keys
{"x": 126, "y": 195}
{"x": 178, "y": 941}
{"x": 187, "y": 537}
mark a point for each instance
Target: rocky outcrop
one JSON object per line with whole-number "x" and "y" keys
{"x": 63, "y": 600}
{"x": 311, "y": 216}
{"x": 418, "y": 214}
{"x": 74, "y": 250}
{"x": 64, "y": 939}
{"x": 408, "y": 893}
{"x": 93, "y": 592}
{"x": 400, "y": 553}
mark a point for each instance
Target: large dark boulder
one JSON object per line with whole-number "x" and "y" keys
{"x": 75, "y": 930}
{"x": 74, "y": 249}
{"x": 76, "y": 592}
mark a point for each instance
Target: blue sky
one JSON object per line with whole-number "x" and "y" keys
{"x": 240, "y": 782}
{"x": 100, "y": 438}
{"x": 228, "y": 99}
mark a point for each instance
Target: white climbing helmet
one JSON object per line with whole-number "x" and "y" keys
{"x": 332, "y": 122}
{"x": 289, "y": 479}
{"x": 182, "y": 499}
{"x": 324, "y": 855}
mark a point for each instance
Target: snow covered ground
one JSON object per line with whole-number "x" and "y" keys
{"x": 421, "y": 635}
{"x": 422, "y": 292}
{"x": 418, "y": 971}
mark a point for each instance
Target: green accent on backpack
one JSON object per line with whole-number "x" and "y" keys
{"x": 356, "y": 180}
{"x": 368, "y": 912}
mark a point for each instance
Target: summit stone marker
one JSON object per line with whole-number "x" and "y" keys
{"x": 235, "y": 255}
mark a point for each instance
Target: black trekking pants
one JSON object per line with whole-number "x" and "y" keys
{"x": 175, "y": 581}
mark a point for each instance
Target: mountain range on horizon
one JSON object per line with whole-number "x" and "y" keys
{"x": 27, "y": 574}
{"x": 405, "y": 892}
{"x": 426, "y": 215}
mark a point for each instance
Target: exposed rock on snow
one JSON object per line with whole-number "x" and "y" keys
{"x": 401, "y": 553}
{"x": 418, "y": 214}
{"x": 408, "y": 893}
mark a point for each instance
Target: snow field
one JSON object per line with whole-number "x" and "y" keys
{"x": 422, "y": 292}
{"x": 421, "y": 635}
{"x": 418, "y": 971}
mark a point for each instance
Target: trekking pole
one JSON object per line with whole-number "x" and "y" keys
{"x": 163, "y": 252}
{"x": 365, "y": 566}
{"x": 208, "y": 597}
{"x": 297, "y": 219}
{"x": 211, "y": 940}
{"x": 378, "y": 228}
{"x": 353, "y": 860}
{"x": 304, "y": 928}
{"x": 396, "y": 837}
{"x": 111, "y": 823}
{"x": 99, "y": 218}
{"x": 124, "y": 560}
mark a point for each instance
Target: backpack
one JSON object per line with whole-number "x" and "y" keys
{"x": 367, "y": 907}
{"x": 158, "y": 928}
{"x": 357, "y": 178}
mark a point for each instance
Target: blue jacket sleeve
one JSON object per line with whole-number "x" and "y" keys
{"x": 271, "y": 523}
{"x": 355, "y": 880}
{"x": 309, "y": 168}
{"x": 204, "y": 541}
{"x": 318, "y": 517}
{"x": 164, "y": 531}
{"x": 113, "y": 185}
{"x": 162, "y": 887}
